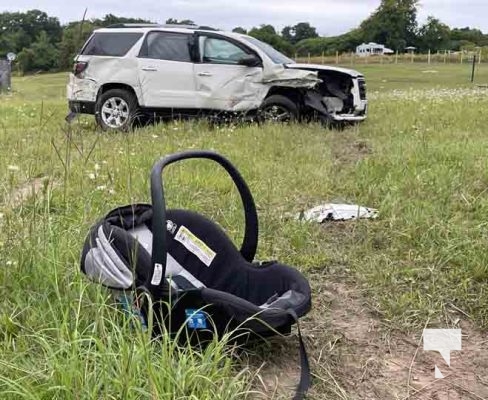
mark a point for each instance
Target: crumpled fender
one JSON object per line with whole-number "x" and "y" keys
{"x": 278, "y": 75}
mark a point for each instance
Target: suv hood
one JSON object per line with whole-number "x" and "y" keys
{"x": 319, "y": 67}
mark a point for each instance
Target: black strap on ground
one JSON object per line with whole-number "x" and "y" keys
{"x": 305, "y": 375}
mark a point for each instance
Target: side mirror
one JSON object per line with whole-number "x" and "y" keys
{"x": 250, "y": 60}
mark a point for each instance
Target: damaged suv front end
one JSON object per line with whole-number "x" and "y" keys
{"x": 341, "y": 92}
{"x": 337, "y": 95}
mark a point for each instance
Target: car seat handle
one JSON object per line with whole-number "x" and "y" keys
{"x": 159, "y": 251}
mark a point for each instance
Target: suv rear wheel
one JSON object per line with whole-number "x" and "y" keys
{"x": 278, "y": 108}
{"x": 116, "y": 109}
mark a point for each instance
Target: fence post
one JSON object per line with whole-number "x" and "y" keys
{"x": 337, "y": 57}
{"x": 474, "y": 66}
{"x": 445, "y": 56}
{"x": 308, "y": 57}
{"x": 396, "y": 57}
{"x": 413, "y": 54}
{"x": 323, "y": 58}
{"x": 428, "y": 57}
{"x": 479, "y": 58}
{"x": 461, "y": 56}
{"x": 352, "y": 58}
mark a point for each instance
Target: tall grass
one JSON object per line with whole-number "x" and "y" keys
{"x": 420, "y": 159}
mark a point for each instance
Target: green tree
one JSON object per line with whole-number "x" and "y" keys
{"x": 111, "y": 19}
{"x": 174, "y": 21}
{"x": 301, "y": 31}
{"x": 267, "y": 33}
{"x": 433, "y": 35}
{"x": 329, "y": 45}
{"x": 239, "y": 30}
{"x": 394, "y": 24}
{"x": 461, "y": 36}
{"x": 20, "y": 30}
{"x": 41, "y": 55}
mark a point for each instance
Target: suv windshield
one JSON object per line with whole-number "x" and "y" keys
{"x": 275, "y": 55}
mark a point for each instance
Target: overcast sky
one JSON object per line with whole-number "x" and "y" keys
{"x": 330, "y": 17}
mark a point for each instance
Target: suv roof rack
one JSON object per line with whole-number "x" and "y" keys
{"x": 207, "y": 28}
{"x": 133, "y": 26}
{"x": 179, "y": 26}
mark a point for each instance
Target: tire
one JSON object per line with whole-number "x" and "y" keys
{"x": 278, "y": 108}
{"x": 116, "y": 110}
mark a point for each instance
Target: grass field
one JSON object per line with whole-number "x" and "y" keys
{"x": 420, "y": 159}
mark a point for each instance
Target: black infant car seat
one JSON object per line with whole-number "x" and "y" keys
{"x": 194, "y": 274}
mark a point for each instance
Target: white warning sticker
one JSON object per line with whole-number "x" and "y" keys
{"x": 157, "y": 275}
{"x": 195, "y": 245}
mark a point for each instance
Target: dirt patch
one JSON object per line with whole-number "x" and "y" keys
{"x": 353, "y": 355}
{"x": 29, "y": 189}
{"x": 347, "y": 148}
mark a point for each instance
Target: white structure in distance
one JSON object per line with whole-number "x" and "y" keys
{"x": 372, "y": 49}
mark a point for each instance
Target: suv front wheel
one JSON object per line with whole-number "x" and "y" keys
{"x": 116, "y": 109}
{"x": 278, "y": 108}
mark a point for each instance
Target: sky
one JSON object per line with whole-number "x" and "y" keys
{"x": 330, "y": 17}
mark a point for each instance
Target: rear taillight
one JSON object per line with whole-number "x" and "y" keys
{"x": 79, "y": 67}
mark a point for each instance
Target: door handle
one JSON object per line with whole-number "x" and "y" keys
{"x": 204, "y": 74}
{"x": 150, "y": 69}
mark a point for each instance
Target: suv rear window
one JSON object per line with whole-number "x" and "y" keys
{"x": 110, "y": 44}
{"x": 166, "y": 46}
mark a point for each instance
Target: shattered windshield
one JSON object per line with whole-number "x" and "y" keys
{"x": 275, "y": 55}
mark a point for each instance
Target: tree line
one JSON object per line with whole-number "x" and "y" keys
{"x": 43, "y": 44}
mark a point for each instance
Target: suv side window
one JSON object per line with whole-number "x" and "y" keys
{"x": 166, "y": 46}
{"x": 110, "y": 44}
{"x": 220, "y": 51}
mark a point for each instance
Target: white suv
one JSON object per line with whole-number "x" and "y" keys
{"x": 125, "y": 71}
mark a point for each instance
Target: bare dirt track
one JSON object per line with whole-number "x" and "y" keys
{"x": 354, "y": 355}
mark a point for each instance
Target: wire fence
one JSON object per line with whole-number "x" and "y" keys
{"x": 446, "y": 57}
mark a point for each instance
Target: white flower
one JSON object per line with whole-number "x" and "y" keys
{"x": 97, "y": 167}
{"x": 101, "y": 187}
{"x": 92, "y": 176}
{"x": 13, "y": 168}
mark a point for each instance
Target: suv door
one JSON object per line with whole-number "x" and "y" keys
{"x": 166, "y": 71}
{"x": 221, "y": 82}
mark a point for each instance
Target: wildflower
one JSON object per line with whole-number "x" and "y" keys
{"x": 91, "y": 176}
{"x": 13, "y": 168}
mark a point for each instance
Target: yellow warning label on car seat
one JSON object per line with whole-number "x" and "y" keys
{"x": 195, "y": 245}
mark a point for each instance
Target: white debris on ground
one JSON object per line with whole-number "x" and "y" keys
{"x": 337, "y": 212}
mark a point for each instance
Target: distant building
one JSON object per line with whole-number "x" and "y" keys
{"x": 372, "y": 49}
